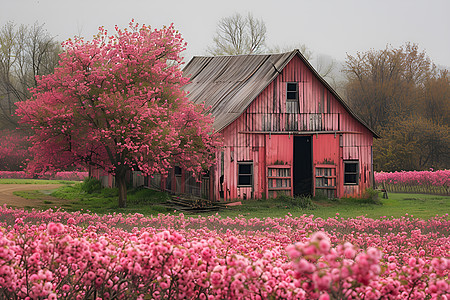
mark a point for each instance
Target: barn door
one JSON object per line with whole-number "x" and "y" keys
{"x": 302, "y": 166}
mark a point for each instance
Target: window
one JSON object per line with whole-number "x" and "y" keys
{"x": 292, "y": 91}
{"x": 177, "y": 171}
{"x": 351, "y": 172}
{"x": 245, "y": 174}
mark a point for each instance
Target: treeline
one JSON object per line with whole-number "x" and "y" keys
{"x": 25, "y": 52}
{"x": 399, "y": 92}
{"x": 405, "y": 98}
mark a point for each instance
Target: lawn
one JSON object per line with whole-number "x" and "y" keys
{"x": 34, "y": 181}
{"x": 150, "y": 202}
{"x": 398, "y": 205}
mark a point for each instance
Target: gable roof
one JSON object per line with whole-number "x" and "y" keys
{"x": 229, "y": 84}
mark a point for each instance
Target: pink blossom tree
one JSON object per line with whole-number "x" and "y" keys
{"x": 116, "y": 103}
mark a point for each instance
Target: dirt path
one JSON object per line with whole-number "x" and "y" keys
{"x": 45, "y": 201}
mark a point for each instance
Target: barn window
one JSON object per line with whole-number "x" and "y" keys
{"x": 245, "y": 174}
{"x": 351, "y": 172}
{"x": 292, "y": 91}
{"x": 177, "y": 171}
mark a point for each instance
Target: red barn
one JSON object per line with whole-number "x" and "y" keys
{"x": 285, "y": 129}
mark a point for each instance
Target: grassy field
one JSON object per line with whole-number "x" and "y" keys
{"x": 34, "y": 181}
{"x": 102, "y": 201}
{"x": 398, "y": 205}
{"x": 149, "y": 202}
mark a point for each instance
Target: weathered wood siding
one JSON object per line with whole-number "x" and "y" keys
{"x": 263, "y": 134}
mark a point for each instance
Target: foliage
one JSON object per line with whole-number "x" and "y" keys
{"x": 371, "y": 196}
{"x": 91, "y": 185}
{"x": 400, "y": 93}
{"x": 64, "y": 175}
{"x": 383, "y": 84}
{"x": 116, "y": 103}
{"x": 304, "y": 202}
{"x": 13, "y": 150}
{"x": 25, "y": 52}
{"x": 414, "y": 143}
{"x": 430, "y": 182}
{"x": 436, "y": 104}
{"x": 104, "y": 200}
{"x": 137, "y": 257}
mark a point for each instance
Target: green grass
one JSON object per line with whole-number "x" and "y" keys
{"x": 29, "y": 194}
{"x": 398, "y": 205}
{"x": 34, "y": 181}
{"x": 144, "y": 201}
{"x": 150, "y": 202}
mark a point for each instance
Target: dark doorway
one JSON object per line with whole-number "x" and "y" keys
{"x": 302, "y": 166}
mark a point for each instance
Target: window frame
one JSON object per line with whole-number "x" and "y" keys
{"x": 288, "y": 91}
{"x": 250, "y": 163}
{"x": 356, "y": 173}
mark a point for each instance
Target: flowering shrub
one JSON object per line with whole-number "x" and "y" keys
{"x": 430, "y": 182}
{"x": 61, "y": 255}
{"x": 13, "y": 150}
{"x": 69, "y": 175}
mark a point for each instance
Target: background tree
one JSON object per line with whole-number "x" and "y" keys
{"x": 25, "y": 52}
{"x": 306, "y": 52}
{"x": 435, "y": 102}
{"x": 383, "y": 84}
{"x": 401, "y": 94}
{"x": 323, "y": 64}
{"x": 414, "y": 143}
{"x": 116, "y": 103}
{"x": 237, "y": 35}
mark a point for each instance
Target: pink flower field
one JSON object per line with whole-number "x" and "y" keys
{"x": 429, "y": 182}
{"x": 61, "y": 255}
{"x": 64, "y": 175}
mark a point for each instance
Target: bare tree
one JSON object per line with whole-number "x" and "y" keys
{"x": 237, "y": 35}
{"x": 324, "y": 65}
{"x": 25, "y": 52}
{"x": 304, "y": 50}
{"x": 384, "y": 84}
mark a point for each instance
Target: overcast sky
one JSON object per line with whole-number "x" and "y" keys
{"x": 332, "y": 27}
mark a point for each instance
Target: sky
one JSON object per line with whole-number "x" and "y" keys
{"x": 331, "y": 27}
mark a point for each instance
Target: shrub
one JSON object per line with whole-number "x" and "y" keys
{"x": 371, "y": 196}
{"x": 90, "y": 185}
{"x": 303, "y": 202}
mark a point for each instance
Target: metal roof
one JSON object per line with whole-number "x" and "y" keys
{"x": 229, "y": 84}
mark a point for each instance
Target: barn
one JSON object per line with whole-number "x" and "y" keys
{"x": 285, "y": 131}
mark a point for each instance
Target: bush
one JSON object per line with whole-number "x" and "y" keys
{"x": 299, "y": 201}
{"x": 91, "y": 185}
{"x": 371, "y": 196}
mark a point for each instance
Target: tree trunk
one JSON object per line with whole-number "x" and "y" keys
{"x": 122, "y": 185}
